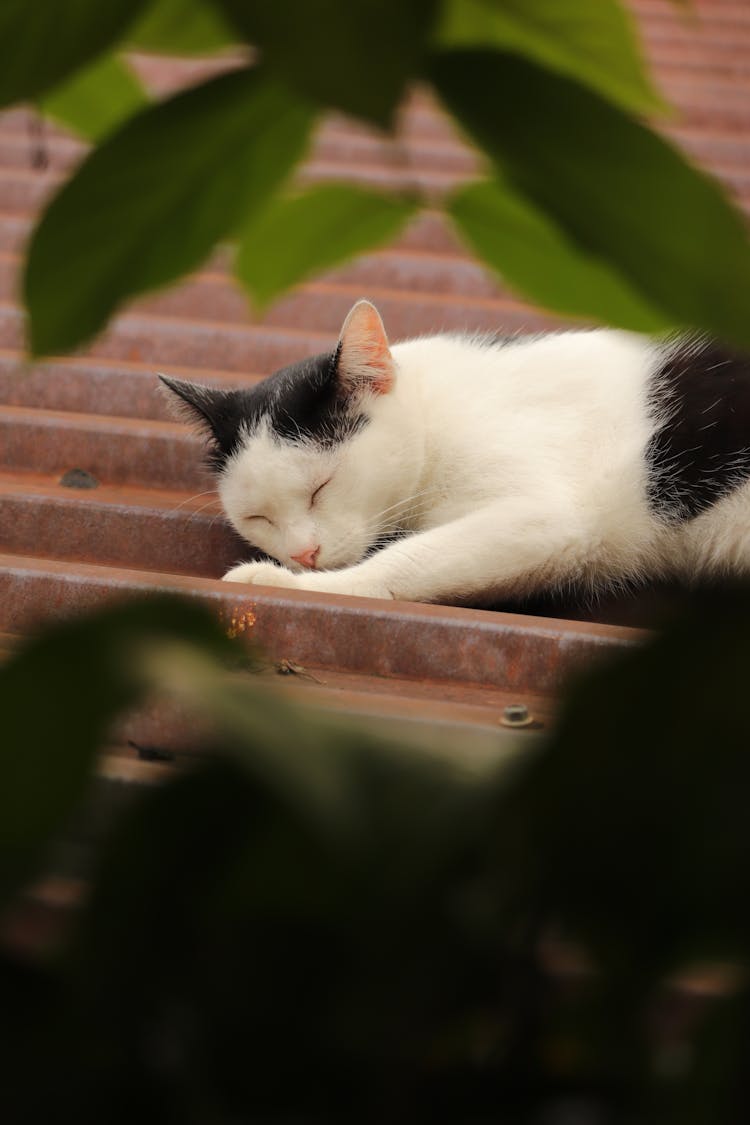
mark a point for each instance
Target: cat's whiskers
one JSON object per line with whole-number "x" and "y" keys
{"x": 401, "y": 510}
{"x": 376, "y": 527}
{"x": 200, "y": 510}
{"x": 406, "y": 509}
{"x": 197, "y": 496}
{"x": 219, "y": 516}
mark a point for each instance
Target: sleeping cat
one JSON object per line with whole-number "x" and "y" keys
{"x": 464, "y": 470}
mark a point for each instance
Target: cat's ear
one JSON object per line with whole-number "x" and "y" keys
{"x": 363, "y": 358}
{"x": 214, "y": 411}
{"x": 197, "y": 403}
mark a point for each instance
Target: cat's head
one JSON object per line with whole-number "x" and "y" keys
{"x": 309, "y": 459}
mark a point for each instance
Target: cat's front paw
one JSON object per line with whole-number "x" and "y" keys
{"x": 262, "y": 574}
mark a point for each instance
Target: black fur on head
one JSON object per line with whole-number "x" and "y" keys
{"x": 304, "y": 401}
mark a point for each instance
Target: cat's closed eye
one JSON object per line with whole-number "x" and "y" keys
{"x": 264, "y": 518}
{"x": 318, "y": 490}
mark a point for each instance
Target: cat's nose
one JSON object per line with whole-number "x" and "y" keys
{"x": 307, "y": 558}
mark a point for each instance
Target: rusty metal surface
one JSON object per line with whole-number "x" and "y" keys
{"x": 146, "y": 527}
{"x": 118, "y": 525}
{"x": 113, "y": 449}
{"x": 357, "y": 634}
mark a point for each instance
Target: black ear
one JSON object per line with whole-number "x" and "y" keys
{"x": 216, "y": 412}
{"x": 204, "y": 405}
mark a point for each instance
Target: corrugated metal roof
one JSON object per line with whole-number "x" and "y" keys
{"x": 152, "y": 523}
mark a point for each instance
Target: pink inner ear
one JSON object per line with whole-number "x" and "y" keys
{"x": 379, "y": 359}
{"x": 364, "y": 348}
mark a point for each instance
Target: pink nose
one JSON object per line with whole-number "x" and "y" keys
{"x": 307, "y": 558}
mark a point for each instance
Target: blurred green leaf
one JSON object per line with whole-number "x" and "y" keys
{"x": 619, "y": 192}
{"x": 44, "y": 43}
{"x": 307, "y": 760}
{"x": 272, "y": 952}
{"x": 295, "y": 237}
{"x": 713, "y": 1086}
{"x": 96, "y": 99}
{"x": 535, "y": 257}
{"x": 358, "y": 57}
{"x": 634, "y": 819}
{"x": 594, "y": 43}
{"x": 58, "y": 695}
{"x": 150, "y": 203}
{"x": 285, "y": 748}
{"x": 190, "y": 27}
{"x": 238, "y": 958}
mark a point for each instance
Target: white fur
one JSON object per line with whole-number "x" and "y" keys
{"x": 510, "y": 470}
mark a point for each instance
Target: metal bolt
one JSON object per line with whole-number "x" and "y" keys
{"x": 516, "y": 715}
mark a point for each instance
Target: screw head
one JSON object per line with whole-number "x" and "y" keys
{"x": 516, "y": 715}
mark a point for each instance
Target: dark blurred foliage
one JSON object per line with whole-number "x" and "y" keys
{"x": 310, "y": 925}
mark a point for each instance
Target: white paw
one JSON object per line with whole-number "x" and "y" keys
{"x": 261, "y": 574}
{"x": 349, "y": 581}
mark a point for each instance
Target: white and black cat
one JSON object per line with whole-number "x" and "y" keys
{"x": 485, "y": 468}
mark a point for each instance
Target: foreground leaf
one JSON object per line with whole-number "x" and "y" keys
{"x": 58, "y": 696}
{"x": 357, "y": 57}
{"x": 647, "y": 861}
{"x": 274, "y": 955}
{"x": 150, "y": 203}
{"x": 537, "y": 258}
{"x": 97, "y": 99}
{"x": 616, "y": 189}
{"x": 594, "y": 43}
{"x": 46, "y": 42}
{"x": 288, "y": 750}
{"x": 182, "y": 27}
{"x": 296, "y": 237}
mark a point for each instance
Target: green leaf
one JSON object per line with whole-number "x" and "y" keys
{"x": 537, "y": 258}
{"x": 293, "y": 752}
{"x": 58, "y": 695}
{"x": 296, "y": 237}
{"x": 182, "y": 27}
{"x": 646, "y": 862}
{"x": 45, "y": 42}
{"x": 594, "y": 43}
{"x": 221, "y": 913}
{"x": 96, "y": 99}
{"x": 357, "y": 57}
{"x": 618, "y": 191}
{"x": 150, "y": 203}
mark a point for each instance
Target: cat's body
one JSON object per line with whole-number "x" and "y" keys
{"x": 586, "y": 459}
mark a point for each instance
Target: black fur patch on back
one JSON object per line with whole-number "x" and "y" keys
{"x": 701, "y": 452}
{"x": 300, "y": 402}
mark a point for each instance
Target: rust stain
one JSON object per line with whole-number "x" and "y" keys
{"x": 241, "y": 621}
